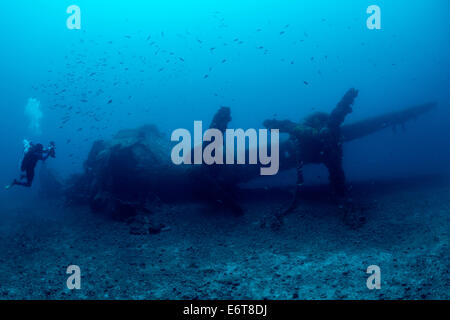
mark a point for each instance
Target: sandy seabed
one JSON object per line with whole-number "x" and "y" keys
{"x": 207, "y": 254}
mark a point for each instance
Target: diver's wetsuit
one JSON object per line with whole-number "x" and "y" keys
{"x": 34, "y": 154}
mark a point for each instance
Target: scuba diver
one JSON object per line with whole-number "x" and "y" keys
{"x": 318, "y": 139}
{"x": 33, "y": 153}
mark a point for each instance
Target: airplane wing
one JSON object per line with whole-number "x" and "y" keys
{"x": 371, "y": 125}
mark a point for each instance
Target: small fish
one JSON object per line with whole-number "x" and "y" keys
{"x": 110, "y": 101}
{"x": 305, "y": 82}
{"x": 206, "y": 76}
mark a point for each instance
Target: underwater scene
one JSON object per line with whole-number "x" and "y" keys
{"x": 225, "y": 150}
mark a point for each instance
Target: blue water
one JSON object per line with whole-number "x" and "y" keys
{"x": 170, "y": 62}
{"x": 151, "y": 60}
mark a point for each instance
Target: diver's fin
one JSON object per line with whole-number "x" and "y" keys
{"x": 365, "y": 127}
{"x": 12, "y": 184}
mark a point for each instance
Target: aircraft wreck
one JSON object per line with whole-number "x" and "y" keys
{"x": 123, "y": 175}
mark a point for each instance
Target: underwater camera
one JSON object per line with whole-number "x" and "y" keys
{"x": 51, "y": 149}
